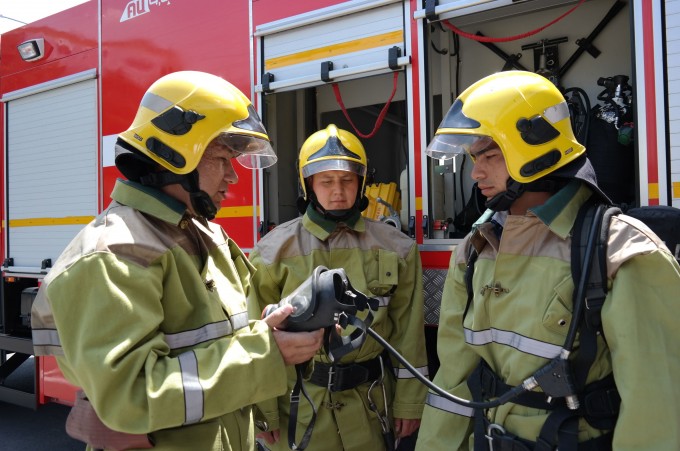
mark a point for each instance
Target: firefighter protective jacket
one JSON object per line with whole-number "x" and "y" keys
{"x": 146, "y": 311}
{"x": 522, "y": 310}
{"x": 379, "y": 261}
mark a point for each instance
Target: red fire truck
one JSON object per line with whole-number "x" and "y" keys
{"x": 385, "y": 69}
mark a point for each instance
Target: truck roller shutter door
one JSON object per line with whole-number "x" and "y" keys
{"x": 347, "y": 41}
{"x": 52, "y": 174}
{"x": 672, "y": 7}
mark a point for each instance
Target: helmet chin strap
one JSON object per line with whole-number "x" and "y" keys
{"x": 201, "y": 202}
{"x": 503, "y": 201}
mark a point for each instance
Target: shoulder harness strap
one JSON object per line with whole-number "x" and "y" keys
{"x": 562, "y": 424}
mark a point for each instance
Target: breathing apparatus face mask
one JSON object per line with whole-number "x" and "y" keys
{"x": 325, "y": 299}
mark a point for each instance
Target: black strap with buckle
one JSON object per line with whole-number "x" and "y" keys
{"x": 344, "y": 377}
{"x": 503, "y": 441}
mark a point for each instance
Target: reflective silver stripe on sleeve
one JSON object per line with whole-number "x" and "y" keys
{"x": 45, "y": 337}
{"x": 519, "y": 342}
{"x": 193, "y": 392}
{"x": 383, "y": 301}
{"x": 403, "y": 373}
{"x": 239, "y": 320}
{"x": 208, "y": 332}
{"x": 441, "y": 403}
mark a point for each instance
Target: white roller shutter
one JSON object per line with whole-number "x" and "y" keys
{"x": 51, "y": 171}
{"x": 351, "y": 40}
{"x": 672, "y": 10}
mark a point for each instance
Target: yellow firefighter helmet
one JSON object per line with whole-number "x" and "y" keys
{"x": 183, "y": 112}
{"x": 523, "y": 112}
{"x": 332, "y": 149}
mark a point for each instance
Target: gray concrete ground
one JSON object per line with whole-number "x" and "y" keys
{"x": 24, "y": 429}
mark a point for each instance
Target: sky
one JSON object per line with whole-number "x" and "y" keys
{"x": 30, "y": 10}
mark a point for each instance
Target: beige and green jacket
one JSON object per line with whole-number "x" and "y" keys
{"x": 522, "y": 310}
{"x": 379, "y": 261}
{"x": 146, "y": 312}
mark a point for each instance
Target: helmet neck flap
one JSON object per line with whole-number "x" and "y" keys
{"x": 201, "y": 202}
{"x": 139, "y": 168}
{"x": 503, "y": 201}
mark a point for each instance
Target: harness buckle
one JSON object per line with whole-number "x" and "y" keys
{"x": 331, "y": 373}
{"x": 491, "y": 430}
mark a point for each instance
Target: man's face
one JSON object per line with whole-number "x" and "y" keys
{"x": 336, "y": 190}
{"x": 215, "y": 172}
{"x": 490, "y": 171}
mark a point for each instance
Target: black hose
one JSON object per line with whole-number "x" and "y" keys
{"x": 580, "y": 293}
{"x": 507, "y": 396}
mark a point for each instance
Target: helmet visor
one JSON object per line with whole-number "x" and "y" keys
{"x": 252, "y": 152}
{"x": 333, "y": 165}
{"x": 252, "y": 123}
{"x": 447, "y": 146}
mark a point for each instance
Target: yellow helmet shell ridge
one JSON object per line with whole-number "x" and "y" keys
{"x": 183, "y": 112}
{"x": 332, "y": 149}
{"x": 523, "y": 112}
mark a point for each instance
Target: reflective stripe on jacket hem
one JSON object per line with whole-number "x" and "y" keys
{"x": 441, "y": 403}
{"x": 45, "y": 337}
{"x": 508, "y": 338}
{"x": 403, "y": 373}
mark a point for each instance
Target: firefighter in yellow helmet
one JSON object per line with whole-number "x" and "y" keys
{"x": 529, "y": 123}
{"x": 509, "y": 294}
{"x": 145, "y": 310}
{"x": 365, "y": 400}
{"x": 180, "y": 116}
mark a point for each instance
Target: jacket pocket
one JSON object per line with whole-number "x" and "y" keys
{"x": 558, "y": 315}
{"x": 384, "y": 281}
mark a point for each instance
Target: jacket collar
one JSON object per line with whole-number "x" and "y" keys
{"x": 148, "y": 200}
{"x": 560, "y": 211}
{"x": 321, "y": 227}
{"x": 558, "y": 214}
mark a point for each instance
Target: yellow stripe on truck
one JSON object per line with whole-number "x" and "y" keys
{"x": 238, "y": 212}
{"x": 342, "y": 48}
{"x": 225, "y": 212}
{"x": 653, "y": 191}
{"x": 35, "y": 222}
